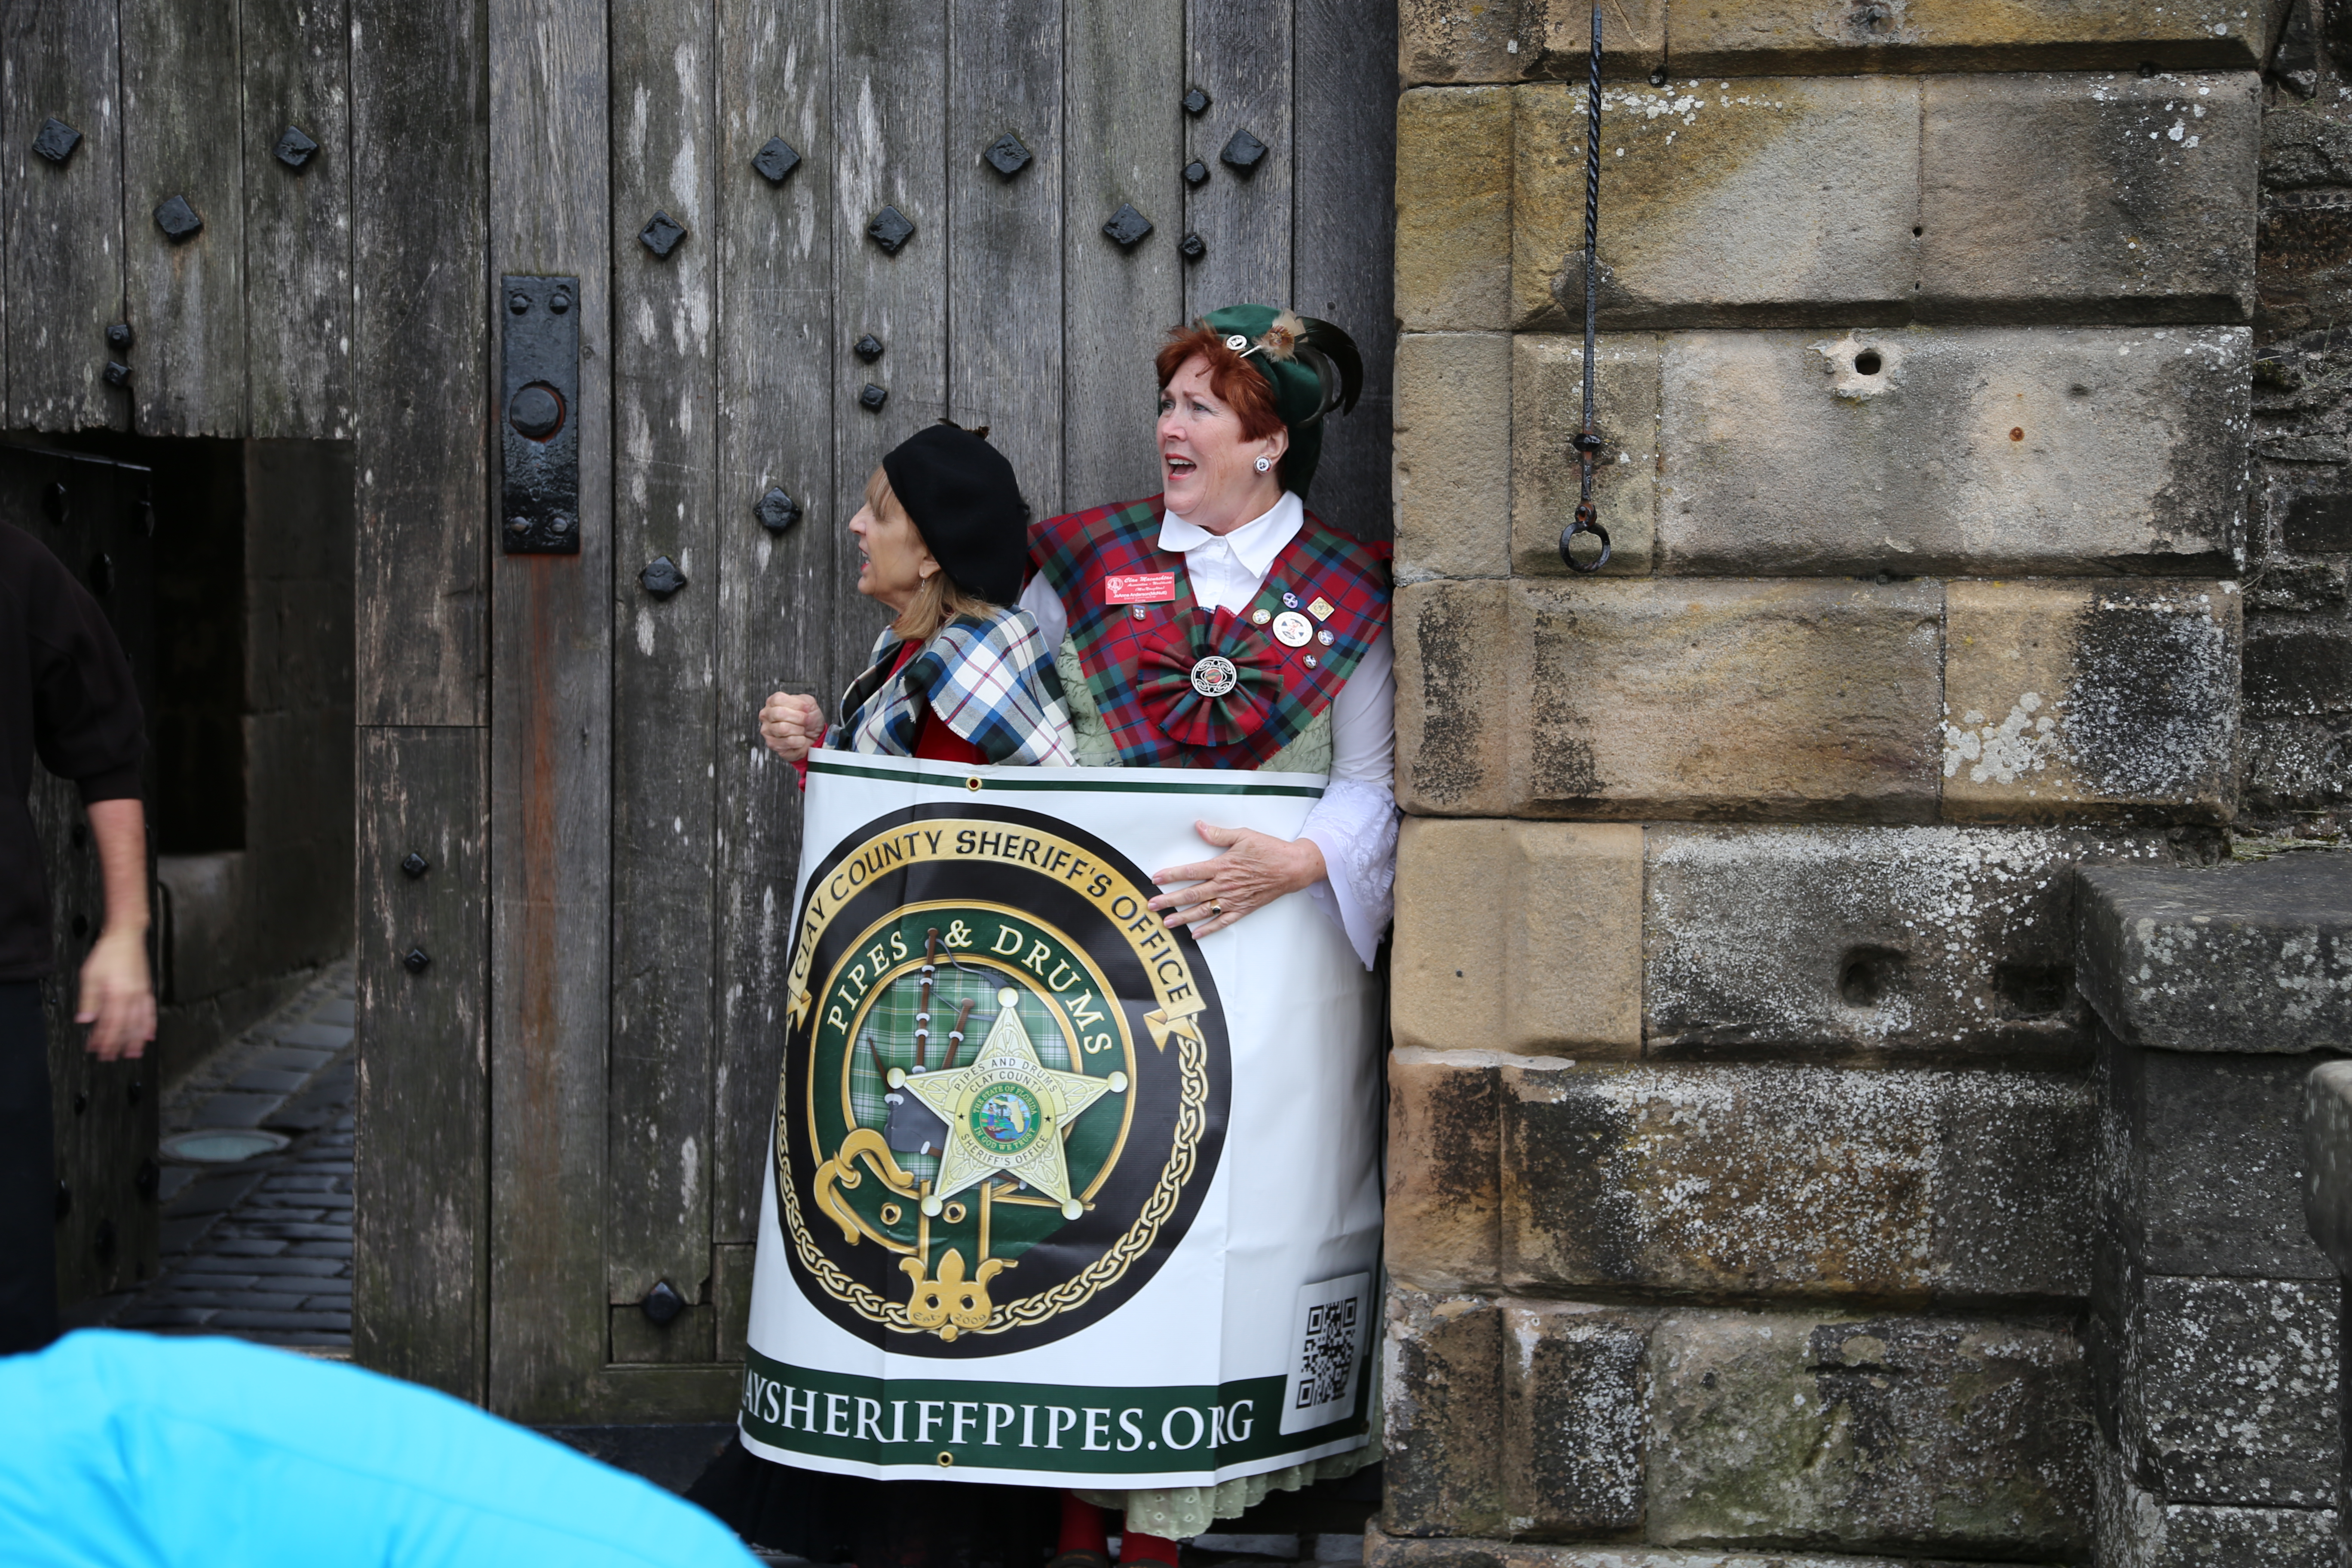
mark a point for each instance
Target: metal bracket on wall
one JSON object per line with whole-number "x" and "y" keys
{"x": 538, "y": 418}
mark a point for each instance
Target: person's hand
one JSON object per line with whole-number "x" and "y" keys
{"x": 791, "y": 724}
{"x": 1255, "y": 869}
{"x": 118, "y": 999}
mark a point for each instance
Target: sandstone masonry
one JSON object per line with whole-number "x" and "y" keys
{"x": 1775, "y": 1173}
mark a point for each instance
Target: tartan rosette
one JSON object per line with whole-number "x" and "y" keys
{"x": 1164, "y": 679}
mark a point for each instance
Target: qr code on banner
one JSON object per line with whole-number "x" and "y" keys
{"x": 1329, "y": 1331}
{"x": 1326, "y": 1356}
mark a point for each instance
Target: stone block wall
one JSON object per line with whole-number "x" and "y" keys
{"x": 2298, "y": 764}
{"x": 1747, "y": 1121}
{"x": 2213, "y": 1334}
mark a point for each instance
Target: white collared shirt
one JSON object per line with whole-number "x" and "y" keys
{"x": 1227, "y": 570}
{"x": 1355, "y": 822}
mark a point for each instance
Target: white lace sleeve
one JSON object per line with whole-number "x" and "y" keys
{"x": 1355, "y": 825}
{"x": 1044, "y": 607}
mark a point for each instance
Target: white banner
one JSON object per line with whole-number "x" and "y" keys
{"x": 1059, "y": 1196}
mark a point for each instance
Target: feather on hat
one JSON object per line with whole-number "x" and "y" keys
{"x": 1313, "y": 367}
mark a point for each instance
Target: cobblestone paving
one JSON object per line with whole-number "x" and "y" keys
{"x": 262, "y": 1249}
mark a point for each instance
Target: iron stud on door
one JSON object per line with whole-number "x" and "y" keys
{"x": 294, "y": 148}
{"x": 1007, "y": 156}
{"x": 661, "y": 577}
{"x": 55, "y": 141}
{"x": 1244, "y": 154}
{"x": 661, "y": 1304}
{"x": 890, "y": 229}
{"x": 775, "y": 160}
{"x": 178, "y": 220}
{"x": 776, "y": 510}
{"x": 1126, "y": 226}
{"x": 661, "y": 235}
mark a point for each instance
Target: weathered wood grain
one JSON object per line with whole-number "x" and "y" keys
{"x": 419, "y": 147}
{"x": 180, "y": 136}
{"x": 550, "y": 749}
{"x": 1123, "y": 76}
{"x": 730, "y": 1297}
{"x": 420, "y": 1227}
{"x": 664, "y": 399}
{"x": 63, "y": 224}
{"x": 708, "y": 1393}
{"x": 1004, "y": 257}
{"x": 690, "y": 1339}
{"x": 1239, "y": 52}
{"x": 778, "y": 405}
{"x": 889, "y": 96}
{"x": 298, "y": 223}
{"x": 1344, "y": 239}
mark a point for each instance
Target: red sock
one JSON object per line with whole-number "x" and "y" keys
{"x": 1082, "y": 1527}
{"x": 1135, "y": 1547}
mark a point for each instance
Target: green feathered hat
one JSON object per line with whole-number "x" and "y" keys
{"x": 1312, "y": 365}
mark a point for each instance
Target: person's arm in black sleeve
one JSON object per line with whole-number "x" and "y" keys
{"x": 87, "y": 727}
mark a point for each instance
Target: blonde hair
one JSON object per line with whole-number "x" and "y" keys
{"x": 937, "y": 600}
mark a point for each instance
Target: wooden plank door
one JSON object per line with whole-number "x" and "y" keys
{"x": 641, "y": 841}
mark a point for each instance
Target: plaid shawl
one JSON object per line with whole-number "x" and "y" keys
{"x": 992, "y": 681}
{"x": 1138, "y": 665}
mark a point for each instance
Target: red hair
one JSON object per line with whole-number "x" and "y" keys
{"x": 1235, "y": 380}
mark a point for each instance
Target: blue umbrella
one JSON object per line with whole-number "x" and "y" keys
{"x": 133, "y": 1451}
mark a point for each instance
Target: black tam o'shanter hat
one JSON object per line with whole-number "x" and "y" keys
{"x": 966, "y": 503}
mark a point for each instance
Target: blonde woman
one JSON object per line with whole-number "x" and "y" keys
{"x": 960, "y": 675}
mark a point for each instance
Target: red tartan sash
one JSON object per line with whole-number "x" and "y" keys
{"x": 1139, "y": 666}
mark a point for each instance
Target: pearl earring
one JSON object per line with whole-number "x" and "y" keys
{"x": 1264, "y": 464}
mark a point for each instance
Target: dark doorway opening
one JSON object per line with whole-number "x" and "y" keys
{"x": 250, "y": 725}
{"x": 225, "y": 570}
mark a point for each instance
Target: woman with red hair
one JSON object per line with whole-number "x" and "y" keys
{"x": 1221, "y": 624}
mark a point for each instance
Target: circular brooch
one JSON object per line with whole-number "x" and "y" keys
{"x": 1214, "y": 676}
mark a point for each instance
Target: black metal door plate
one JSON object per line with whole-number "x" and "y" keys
{"x": 539, "y": 415}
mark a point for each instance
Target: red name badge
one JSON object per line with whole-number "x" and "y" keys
{"x": 1142, "y": 588}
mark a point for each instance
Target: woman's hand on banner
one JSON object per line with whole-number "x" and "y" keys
{"x": 1255, "y": 869}
{"x": 791, "y": 724}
